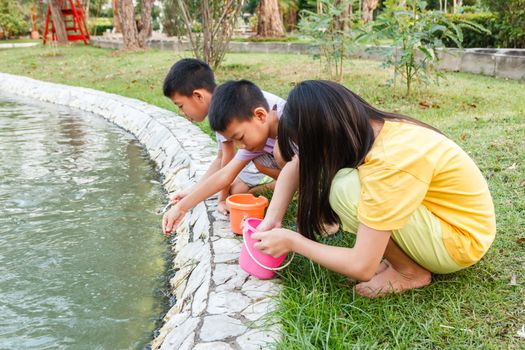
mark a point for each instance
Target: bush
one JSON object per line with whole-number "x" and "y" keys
{"x": 472, "y": 37}
{"x": 98, "y": 26}
{"x": 510, "y": 28}
{"x": 12, "y": 21}
{"x": 502, "y": 32}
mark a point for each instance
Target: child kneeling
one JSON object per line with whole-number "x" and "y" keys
{"x": 416, "y": 201}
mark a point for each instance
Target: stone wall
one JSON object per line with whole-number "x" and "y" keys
{"x": 216, "y": 305}
{"x": 503, "y": 63}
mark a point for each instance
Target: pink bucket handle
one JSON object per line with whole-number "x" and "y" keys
{"x": 258, "y": 262}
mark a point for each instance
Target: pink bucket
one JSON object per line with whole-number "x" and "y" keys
{"x": 253, "y": 261}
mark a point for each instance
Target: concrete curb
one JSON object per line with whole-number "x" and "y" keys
{"x": 503, "y": 63}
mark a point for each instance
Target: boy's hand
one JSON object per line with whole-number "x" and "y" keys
{"x": 172, "y": 219}
{"x": 179, "y": 195}
{"x": 222, "y": 208}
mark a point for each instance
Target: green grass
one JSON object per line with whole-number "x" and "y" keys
{"x": 21, "y": 40}
{"x": 474, "y": 308}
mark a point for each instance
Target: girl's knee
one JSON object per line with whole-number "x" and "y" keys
{"x": 344, "y": 197}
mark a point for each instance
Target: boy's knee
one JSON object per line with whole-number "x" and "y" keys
{"x": 238, "y": 186}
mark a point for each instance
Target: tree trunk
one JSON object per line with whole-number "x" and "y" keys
{"x": 135, "y": 37}
{"x": 86, "y": 11}
{"x": 58, "y": 22}
{"x": 269, "y": 23}
{"x": 292, "y": 19}
{"x": 116, "y": 16}
{"x": 145, "y": 28}
{"x": 368, "y": 10}
{"x": 130, "y": 34}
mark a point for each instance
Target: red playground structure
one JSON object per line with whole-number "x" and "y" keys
{"x": 74, "y": 20}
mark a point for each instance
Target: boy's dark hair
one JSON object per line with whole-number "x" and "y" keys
{"x": 234, "y": 100}
{"x": 187, "y": 75}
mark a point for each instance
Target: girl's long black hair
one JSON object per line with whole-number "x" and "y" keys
{"x": 329, "y": 127}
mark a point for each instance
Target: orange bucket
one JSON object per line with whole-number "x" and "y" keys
{"x": 245, "y": 205}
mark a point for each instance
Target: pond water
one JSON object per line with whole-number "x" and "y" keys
{"x": 82, "y": 258}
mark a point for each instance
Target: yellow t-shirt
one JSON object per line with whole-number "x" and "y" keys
{"x": 410, "y": 165}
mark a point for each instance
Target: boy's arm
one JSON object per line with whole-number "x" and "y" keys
{"x": 213, "y": 168}
{"x": 271, "y": 172}
{"x": 201, "y": 191}
{"x": 227, "y": 154}
{"x": 285, "y": 187}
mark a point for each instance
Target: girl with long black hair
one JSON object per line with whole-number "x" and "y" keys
{"x": 416, "y": 201}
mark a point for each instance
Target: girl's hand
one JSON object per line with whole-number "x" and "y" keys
{"x": 172, "y": 219}
{"x": 268, "y": 224}
{"x": 277, "y": 242}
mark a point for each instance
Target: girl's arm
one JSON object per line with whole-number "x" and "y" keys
{"x": 285, "y": 187}
{"x": 359, "y": 262}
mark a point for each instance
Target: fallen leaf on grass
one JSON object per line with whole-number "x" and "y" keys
{"x": 425, "y": 104}
{"x": 513, "y": 166}
{"x": 520, "y": 240}
{"x": 513, "y": 281}
{"x": 463, "y": 136}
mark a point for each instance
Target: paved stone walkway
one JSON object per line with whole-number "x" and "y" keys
{"x": 216, "y": 304}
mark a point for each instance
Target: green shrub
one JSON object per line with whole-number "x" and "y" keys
{"x": 473, "y": 37}
{"x": 98, "y": 26}
{"x": 510, "y": 26}
{"x": 12, "y": 21}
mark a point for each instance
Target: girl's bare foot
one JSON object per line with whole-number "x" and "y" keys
{"x": 391, "y": 281}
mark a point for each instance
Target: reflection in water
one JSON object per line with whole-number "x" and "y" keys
{"x": 81, "y": 254}
{"x": 71, "y": 129}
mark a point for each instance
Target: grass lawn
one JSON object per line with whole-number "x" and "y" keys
{"x": 22, "y": 40}
{"x": 475, "y": 308}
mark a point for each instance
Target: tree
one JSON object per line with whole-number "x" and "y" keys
{"x": 116, "y": 16}
{"x": 416, "y": 34}
{"x": 368, "y": 10}
{"x": 133, "y": 33}
{"x": 58, "y": 22}
{"x": 86, "y": 10}
{"x": 269, "y": 22}
{"x": 332, "y": 32}
{"x": 217, "y": 22}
